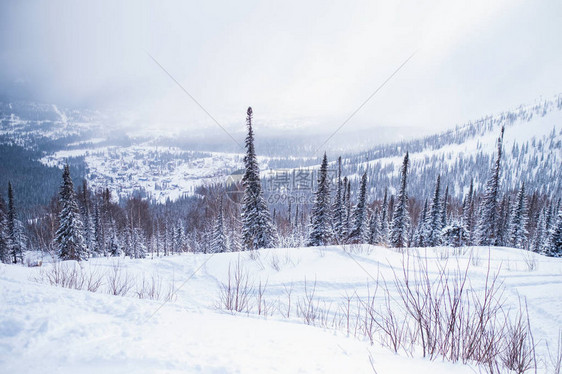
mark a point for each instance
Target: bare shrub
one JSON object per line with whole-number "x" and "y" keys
{"x": 94, "y": 280}
{"x": 288, "y": 260}
{"x": 274, "y": 262}
{"x": 70, "y": 275}
{"x": 149, "y": 288}
{"x": 451, "y": 320}
{"x": 555, "y": 358}
{"x": 530, "y": 260}
{"x": 262, "y": 305}
{"x": 254, "y": 254}
{"x": 288, "y": 292}
{"x": 475, "y": 259}
{"x": 118, "y": 281}
{"x": 393, "y": 331}
{"x": 519, "y": 353}
{"x": 236, "y": 293}
{"x": 307, "y": 306}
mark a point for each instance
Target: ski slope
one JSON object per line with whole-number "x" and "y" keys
{"x": 50, "y": 329}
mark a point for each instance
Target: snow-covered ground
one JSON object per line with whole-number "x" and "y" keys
{"x": 50, "y": 329}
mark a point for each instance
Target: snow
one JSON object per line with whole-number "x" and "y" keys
{"x": 50, "y": 329}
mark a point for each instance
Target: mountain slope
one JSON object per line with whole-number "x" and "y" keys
{"x": 532, "y": 154}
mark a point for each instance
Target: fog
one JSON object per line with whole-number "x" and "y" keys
{"x": 302, "y": 66}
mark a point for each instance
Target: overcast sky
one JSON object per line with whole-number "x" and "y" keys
{"x": 299, "y": 63}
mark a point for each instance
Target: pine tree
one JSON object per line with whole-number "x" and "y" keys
{"x": 114, "y": 245}
{"x": 383, "y": 239}
{"x": 443, "y": 212}
{"x": 487, "y": 222}
{"x": 400, "y": 218}
{"x": 538, "y": 244}
{"x": 98, "y": 245}
{"x": 434, "y": 223}
{"x": 338, "y": 207}
{"x": 358, "y": 233}
{"x": 14, "y": 229}
{"x": 257, "y": 228}
{"x": 321, "y": 226}
{"x": 420, "y": 237}
{"x": 468, "y": 215}
{"x": 554, "y": 248}
{"x": 502, "y": 223}
{"x": 138, "y": 240}
{"x": 518, "y": 224}
{"x": 219, "y": 242}
{"x": 374, "y": 226}
{"x": 70, "y": 235}
{"x": 346, "y": 209}
{"x": 4, "y": 237}
{"x": 87, "y": 217}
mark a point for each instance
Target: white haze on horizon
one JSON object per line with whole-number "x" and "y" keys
{"x": 302, "y": 66}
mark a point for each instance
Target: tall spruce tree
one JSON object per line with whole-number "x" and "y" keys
{"x": 321, "y": 218}
{"x": 420, "y": 237}
{"x": 358, "y": 234}
{"x": 468, "y": 214}
{"x": 434, "y": 223}
{"x": 219, "y": 242}
{"x": 487, "y": 221}
{"x": 554, "y": 247}
{"x": 4, "y": 237}
{"x": 14, "y": 229}
{"x": 346, "y": 201}
{"x": 444, "y": 207}
{"x": 400, "y": 218}
{"x": 86, "y": 216}
{"x": 538, "y": 243}
{"x": 502, "y": 223}
{"x": 337, "y": 207}
{"x": 374, "y": 226}
{"x": 383, "y": 231}
{"x": 257, "y": 228}
{"x": 518, "y": 223}
{"x": 70, "y": 235}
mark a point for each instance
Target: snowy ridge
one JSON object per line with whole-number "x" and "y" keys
{"x": 532, "y": 153}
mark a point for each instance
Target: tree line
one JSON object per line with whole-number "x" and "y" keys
{"x": 81, "y": 223}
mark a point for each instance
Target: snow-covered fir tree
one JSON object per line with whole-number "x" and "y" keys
{"x": 15, "y": 229}
{"x": 257, "y": 228}
{"x": 374, "y": 226}
{"x": 4, "y": 237}
{"x": 346, "y": 201}
{"x": 554, "y": 247}
{"x": 98, "y": 243}
{"x": 337, "y": 207}
{"x": 518, "y": 223}
{"x": 70, "y": 234}
{"x": 468, "y": 214}
{"x": 89, "y": 231}
{"x": 421, "y": 231}
{"x": 488, "y": 212}
{"x": 453, "y": 235}
{"x": 538, "y": 242}
{"x": 444, "y": 207}
{"x": 383, "y": 231}
{"x": 434, "y": 220}
{"x": 114, "y": 244}
{"x": 138, "y": 242}
{"x": 321, "y": 217}
{"x": 359, "y": 233}
{"x": 400, "y": 218}
{"x": 219, "y": 241}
